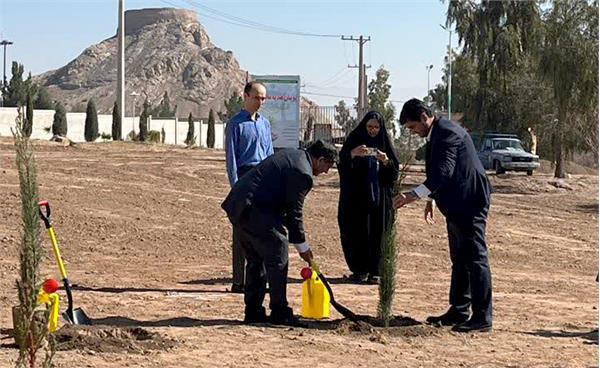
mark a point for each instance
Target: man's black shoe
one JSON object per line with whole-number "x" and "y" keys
{"x": 358, "y": 278}
{"x": 473, "y": 326}
{"x": 450, "y": 318}
{"x": 237, "y": 288}
{"x": 286, "y": 318}
{"x": 256, "y": 316}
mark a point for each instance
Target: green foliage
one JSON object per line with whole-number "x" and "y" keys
{"x": 163, "y": 110}
{"x": 91, "y": 122}
{"x": 210, "y": 134}
{"x": 528, "y": 65}
{"x": 106, "y": 136}
{"x": 387, "y": 283}
{"x": 143, "y": 135}
{"x": 16, "y": 91}
{"x": 154, "y": 136}
{"x": 232, "y": 106}
{"x": 163, "y": 135}
{"x": 378, "y": 93}
{"x": 43, "y": 99}
{"x": 116, "y": 123}
{"x": 343, "y": 118}
{"x": 189, "y": 139}
{"x": 30, "y": 326}
{"x": 59, "y": 124}
{"x": 569, "y": 63}
{"x": 28, "y": 123}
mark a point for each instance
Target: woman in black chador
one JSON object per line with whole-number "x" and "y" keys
{"x": 368, "y": 169}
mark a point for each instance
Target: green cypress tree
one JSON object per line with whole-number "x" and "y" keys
{"x": 91, "y": 122}
{"x": 189, "y": 139}
{"x": 143, "y": 136}
{"x": 59, "y": 124}
{"x": 28, "y": 126}
{"x": 31, "y": 329}
{"x": 210, "y": 134}
{"x": 116, "y": 123}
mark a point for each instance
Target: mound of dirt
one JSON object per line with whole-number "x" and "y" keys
{"x": 399, "y": 326}
{"x": 111, "y": 339}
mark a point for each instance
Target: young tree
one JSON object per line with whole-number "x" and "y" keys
{"x": 189, "y": 139}
{"x": 91, "y": 122}
{"x": 31, "y": 328}
{"x": 210, "y": 134}
{"x": 378, "y": 95}
{"x": 116, "y": 123}
{"x": 59, "y": 123}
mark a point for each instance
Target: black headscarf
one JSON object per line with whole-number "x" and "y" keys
{"x": 360, "y": 136}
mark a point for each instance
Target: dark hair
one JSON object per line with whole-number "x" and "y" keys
{"x": 248, "y": 87}
{"x": 412, "y": 111}
{"x": 319, "y": 149}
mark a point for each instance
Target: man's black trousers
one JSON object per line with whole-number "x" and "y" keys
{"x": 268, "y": 247}
{"x": 471, "y": 281}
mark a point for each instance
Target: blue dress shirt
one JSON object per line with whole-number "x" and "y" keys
{"x": 247, "y": 142}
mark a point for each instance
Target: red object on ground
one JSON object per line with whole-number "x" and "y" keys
{"x": 306, "y": 273}
{"x": 50, "y": 286}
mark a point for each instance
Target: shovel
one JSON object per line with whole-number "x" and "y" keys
{"x": 77, "y": 316}
{"x": 340, "y": 308}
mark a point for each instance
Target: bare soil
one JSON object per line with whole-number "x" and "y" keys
{"x": 149, "y": 251}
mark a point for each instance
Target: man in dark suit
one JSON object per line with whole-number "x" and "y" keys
{"x": 457, "y": 182}
{"x": 261, "y": 206}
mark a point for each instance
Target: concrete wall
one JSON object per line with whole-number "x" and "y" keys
{"x": 76, "y": 125}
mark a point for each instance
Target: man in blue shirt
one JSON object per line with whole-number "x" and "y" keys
{"x": 247, "y": 142}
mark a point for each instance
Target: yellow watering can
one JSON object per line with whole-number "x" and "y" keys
{"x": 315, "y": 297}
{"x": 47, "y": 296}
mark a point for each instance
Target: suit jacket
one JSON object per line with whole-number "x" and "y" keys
{"x": 455, "y": 175}
{"x": 272, "y": 194}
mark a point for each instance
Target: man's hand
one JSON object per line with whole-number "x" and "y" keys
{"x": 381, "y": 156}
{"x": 403, "y": 199}
{"x": 307, "y": 256}
{"x": 429, "y": 213}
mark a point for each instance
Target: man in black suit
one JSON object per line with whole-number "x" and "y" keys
{"x": 261, "y": 206}
{"x": 456, "y": 181}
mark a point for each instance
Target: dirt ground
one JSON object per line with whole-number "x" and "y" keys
{"x": 148, "y": 247}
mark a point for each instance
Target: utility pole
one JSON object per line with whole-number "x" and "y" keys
{"x": 428, "y": 67}
{"x": 447, "y": 28}
{"x": 121, "y": 61}
{"x": 4, "y": 43}
{"x": 362, "y": 85}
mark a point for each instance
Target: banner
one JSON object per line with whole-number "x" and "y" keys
{"x": 282, "y": 108}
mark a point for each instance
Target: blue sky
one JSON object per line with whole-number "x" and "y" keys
{"x": 405, "y": 37}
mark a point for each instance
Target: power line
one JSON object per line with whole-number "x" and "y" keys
{"x": 327, "y": 95}
{"x": 242, "y": 22}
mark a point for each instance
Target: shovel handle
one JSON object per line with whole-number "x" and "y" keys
{"x": 44, "y": 205}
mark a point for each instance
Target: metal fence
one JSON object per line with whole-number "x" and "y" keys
{"x": 319, "y": 122}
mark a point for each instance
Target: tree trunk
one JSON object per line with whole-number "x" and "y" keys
{"x": 559, "y": 157}
{"x": 559, "y": 169}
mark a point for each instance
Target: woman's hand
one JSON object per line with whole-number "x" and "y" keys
{"x": 359, "y": 151}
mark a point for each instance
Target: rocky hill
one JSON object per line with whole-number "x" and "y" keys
{"x": 165, "y": 50}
